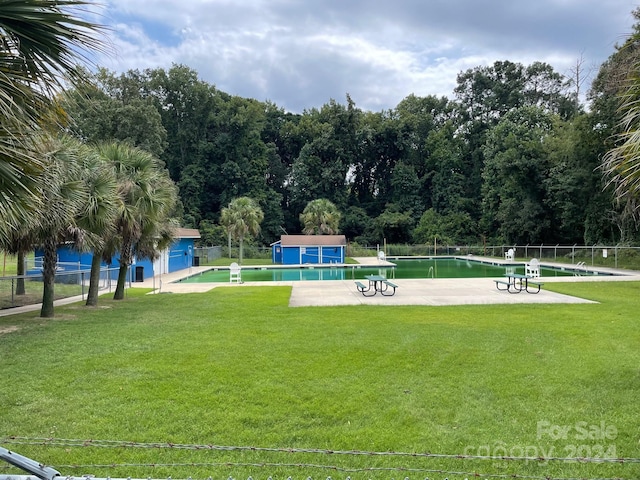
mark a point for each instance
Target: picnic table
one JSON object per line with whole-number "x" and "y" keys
{"x": 377, "y": 283}
{"x": 517, "y": 282}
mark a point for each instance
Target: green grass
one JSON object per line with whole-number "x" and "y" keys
{"x": 238, "y": 367}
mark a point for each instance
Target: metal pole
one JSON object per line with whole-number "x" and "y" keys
{"x": 28, "y": 465}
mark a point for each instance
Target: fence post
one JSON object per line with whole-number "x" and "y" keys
{"x": 28, "y": 465}
{"x": 573, "y": 253}
{"x": 82, "y": 284}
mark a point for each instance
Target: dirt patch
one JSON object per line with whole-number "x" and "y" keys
{"x": 9, "y": 329}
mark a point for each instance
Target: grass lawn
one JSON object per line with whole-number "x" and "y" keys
{"x": 238, "y": 367}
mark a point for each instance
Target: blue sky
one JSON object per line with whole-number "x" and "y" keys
{"x": 300, "y": 54}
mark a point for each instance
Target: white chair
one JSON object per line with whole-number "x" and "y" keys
{"x": 510, "y": 255}
{"x": 234, "y": 273}
{"x": 532, "y": 269}
{"x": 381, "y": 255}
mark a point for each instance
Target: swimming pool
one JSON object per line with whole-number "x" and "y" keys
{"x": 441, "y": 267}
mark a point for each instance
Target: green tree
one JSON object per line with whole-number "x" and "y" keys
{"x": 319, "y": 217}
{"x": 393, "y": 225}
{"x": 146, "y": 200}
{"x": 452, "y": 228}
{"x": 514, "y": 175}
{"x": 41, "y": 41}
{"x": 355, "y": 224}
{"x": 405, "y": 186}
{"x": 321, "y": 169}
{"x": 97, "y": 117}
{"x": 64, "y": 195}
{"x": 622, "y": 163}
{"x": 98, "y": 216}
{"x": 579, "y": 206}
{"x": 242, "y": 218}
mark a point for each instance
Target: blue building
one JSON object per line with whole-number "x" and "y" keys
{"x": 177, "y": 257}
{"x": 309, "y": 249}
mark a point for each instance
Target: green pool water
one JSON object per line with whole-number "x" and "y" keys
{"x": 405, "y": 268}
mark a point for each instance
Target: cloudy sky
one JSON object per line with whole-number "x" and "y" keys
{"x": 299, "y": 54}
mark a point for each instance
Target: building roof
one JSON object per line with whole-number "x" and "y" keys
{"x": 293, "y": 240}
{"x": 187, "y": 233}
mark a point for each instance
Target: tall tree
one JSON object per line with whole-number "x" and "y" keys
{"x": 242, "y": 218}
{"x": 147, "y": 197}
{"x": 97, "y": 117}
{"x": 321, "y": 169}
{"x": 319, "y": 217}
{"x": 514, "y": 176}
{"x": 97, "y": 218}
{"x": 64, "y": 195}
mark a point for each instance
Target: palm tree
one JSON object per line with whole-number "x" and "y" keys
{"x": 622, "y": 163}
{"x": 97, "y": 218}
{"x": 41, "y": 41}
{"x": 319, "y": 217}
{"x": 64, "y": 194}
{"x": 242, "y": 218}
{"x": 18, "y": 241}
{"x": 146, "y": 198}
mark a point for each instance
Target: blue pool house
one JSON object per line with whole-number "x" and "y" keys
{"x": 309, "y": 249}
{"x": 177, "y": 257}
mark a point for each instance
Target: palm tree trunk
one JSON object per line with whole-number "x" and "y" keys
{"x": 94, "y": 279}
{"x": 122, "y": 281}
{"x": 125, "y": 260}
{"x": 126, "y": 255}
{"x": 49, "y": 278}
{"x": 240, "y": 254}
{"x": 20, "y": 288}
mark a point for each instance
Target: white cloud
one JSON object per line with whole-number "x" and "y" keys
{"x": 300, "y": 54}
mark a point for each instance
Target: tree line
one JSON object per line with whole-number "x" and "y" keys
{"x": 513, "y": 158}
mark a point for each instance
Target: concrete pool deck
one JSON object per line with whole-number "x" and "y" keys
{"x": 427, "y": 291}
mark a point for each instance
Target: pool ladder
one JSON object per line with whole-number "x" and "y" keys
{"x": 430, "y": 272}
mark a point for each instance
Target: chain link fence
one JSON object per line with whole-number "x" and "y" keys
{"x": 206, "y": 255}
{"x": 20, "y": 290}
{"x": 612, "y": 256}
